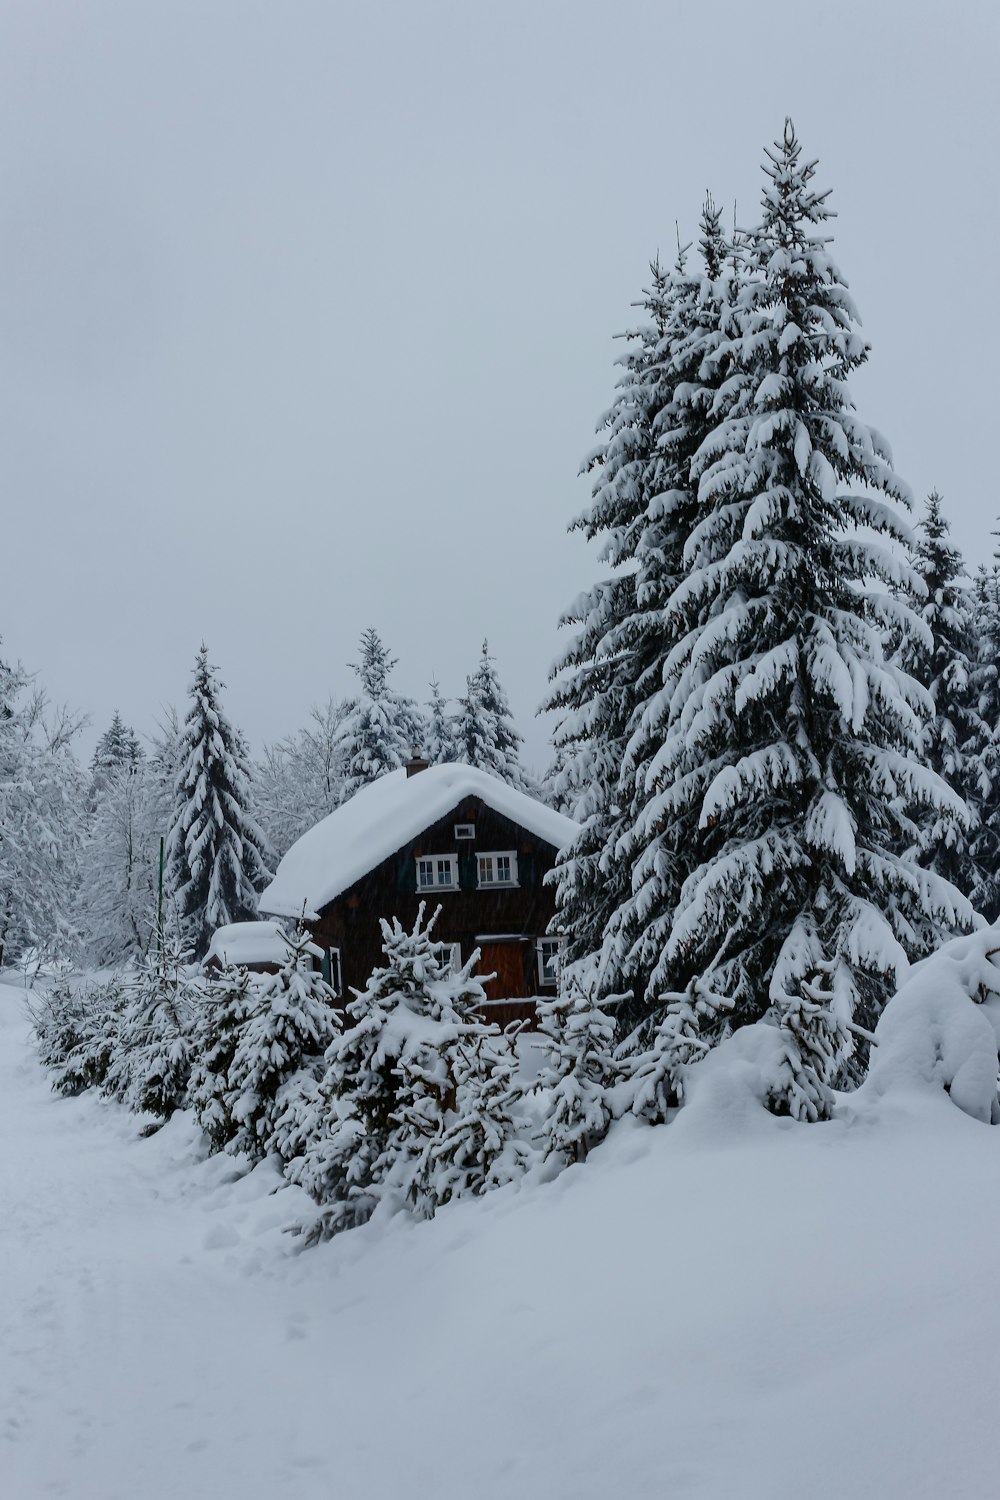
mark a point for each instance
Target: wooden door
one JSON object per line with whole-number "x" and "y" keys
{"x": 506, "y": 961}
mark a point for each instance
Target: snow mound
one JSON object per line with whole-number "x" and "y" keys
{"x": 241, "y": 943}
{"x": 726, "y": 1091}
{"x": 939, "y": 1031}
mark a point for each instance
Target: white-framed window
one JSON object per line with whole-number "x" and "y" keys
{"x": 549, "y": 950}
{"x": 465, "y": 830}
{"x": 437, "y": 872}
{"x": 497, "y": 868}
{"x": 332, "y": 972}
{"x": 449, "y": 955}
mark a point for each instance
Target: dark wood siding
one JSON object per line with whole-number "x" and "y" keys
{"x": 521, "y": 914}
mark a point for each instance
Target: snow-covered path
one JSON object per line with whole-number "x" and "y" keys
{"x": 773, "y": 1312}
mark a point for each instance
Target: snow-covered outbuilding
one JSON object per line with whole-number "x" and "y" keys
{"x": 258, "y": 946}
{"x": 452, "y": 836}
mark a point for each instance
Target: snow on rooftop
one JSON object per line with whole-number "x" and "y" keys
{"x": 242, "y": 943}
{"x": 385, "y": 816}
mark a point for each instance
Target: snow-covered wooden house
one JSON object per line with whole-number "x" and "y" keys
{"x": 451, "y": 836}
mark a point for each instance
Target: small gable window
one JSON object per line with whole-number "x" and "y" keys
{"x": 437, "y": 872}
{"x": 497, "y": 869}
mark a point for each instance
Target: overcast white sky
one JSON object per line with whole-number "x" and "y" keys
{"x": 307, "y": 309}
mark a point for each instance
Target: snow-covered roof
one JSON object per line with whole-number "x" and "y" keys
{"x": 243, "y": 943}
{"x": 382, "y": 818}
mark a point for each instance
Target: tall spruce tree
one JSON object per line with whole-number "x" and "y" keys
{"x": 440, "y": 744}
{"x": 217, "y": 859}
{"x": 613, "y": 679}
{"x": 595, "y": 676}
{"x": 41, "y": 796}
{"x": 792, "y": 743}
{"x": 381, "y": 728}
{"x": 484, "y": 730}
{"x": 946, "y": 666}
{"x": 118, "y": 748}
{"x": 696, "y": 364}
{"x": 986, "y": 841}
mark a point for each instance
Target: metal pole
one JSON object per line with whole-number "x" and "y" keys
{"x": 159, "y": 907}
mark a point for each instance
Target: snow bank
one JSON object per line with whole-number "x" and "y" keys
{"x": 939, "y": 1031}
{"x": 726, "y": 1091}
{"x": 241, "y": 943}
{"x": 680, "y": 1316}
{"x": 382, "y": 818}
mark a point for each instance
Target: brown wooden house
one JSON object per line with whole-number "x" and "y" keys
{"x": 451, "y": 836}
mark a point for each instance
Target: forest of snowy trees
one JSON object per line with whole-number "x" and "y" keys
{"x": 777, "y": 726}
{"x": 81, "y": 876}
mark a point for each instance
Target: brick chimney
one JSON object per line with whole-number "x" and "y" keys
{"x": 416, "y": 763}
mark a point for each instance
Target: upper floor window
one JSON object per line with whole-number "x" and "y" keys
{"x": 465, "y": 830}
{"x": 437, "y": 872}
{"x": 497, "y": 869}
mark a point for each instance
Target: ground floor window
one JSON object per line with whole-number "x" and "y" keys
{"x": 332, "y": 972}
{"x": 449, "y": 955}
{"x": 549, "y": 951}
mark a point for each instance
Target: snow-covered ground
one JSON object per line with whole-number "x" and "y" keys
{"x": 732, "y": 1306}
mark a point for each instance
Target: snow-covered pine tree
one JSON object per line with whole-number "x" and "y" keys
{"x": 594, "y": 677}
{"x": 381, "y": 727}
{"x": 76, "y": 1027}
{"x": 154, "y": 1038}
{"x": 580, "y": 1071}
{"x": 947, "y": 669}
{"x": 790, "y": 736}
{"x": 418, "y": 1171}
{"x": 656, "y": 1075}
{"x": 484, "y": 729}
{"x": 217, "y": 858}
{"x": 88, "y": 1064}
{"x": 230, "y": 1000}
{"x": 116, "y": 903}
{"x": 41, "y": 799}
{"x": 389, "y": 1082}
{"x": 117, "y": 749}
{"x": 291, "y": 1023}
{"x": 986, "y": 763}
{"x": 484, "y": 1145}
{"x": 440, "y": 746}
{"x": 657, "y": 846}
{"x": 611, "y": 681}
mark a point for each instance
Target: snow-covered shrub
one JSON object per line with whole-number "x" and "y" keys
{"x": 76, "y": 1026}
{"x": 655, "y": 1077}
{"x": 939, "y": 1031}
{"x": 227, "y": 1005}
{"x": 152, "y": 1059}
{"x": 484, "y": 1146}
{"x": 390, "y": 1090}
{"x": 816, "y": 1044}
{"x": 579, "y": 1073}
{"x": 291, "y": 1021}
{"x": 87, "y": 1065}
